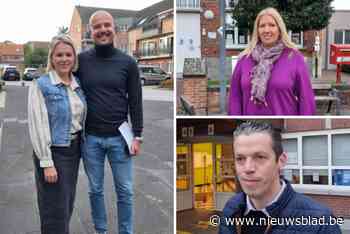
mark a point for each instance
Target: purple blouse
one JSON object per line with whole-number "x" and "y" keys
{"x": 289, "y": 90}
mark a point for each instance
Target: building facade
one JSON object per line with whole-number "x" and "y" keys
{"x": 188, "y": 35}
{"x": 337, "y": 32}
{"x": 11, "y": 54}
{"x": 147, "y": 35}
{"x": 155, "y": 43}
{"x": 318, "y": 163}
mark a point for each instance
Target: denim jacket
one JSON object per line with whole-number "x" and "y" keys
{"x": 58, "y": 108}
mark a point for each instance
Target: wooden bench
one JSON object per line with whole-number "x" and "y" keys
{"x": 325, "y": 93}
{"x": 330, "y": 100}
{"x": 187, "y": 106}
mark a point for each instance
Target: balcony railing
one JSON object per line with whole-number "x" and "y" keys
{"x": 188, "y": 4}
{"x": 167, "y": 51}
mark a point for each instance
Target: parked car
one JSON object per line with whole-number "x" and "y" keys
{"x": 31, "y": 73}
{"x": 152, "y": 74}
{"x": 11, "y": 73}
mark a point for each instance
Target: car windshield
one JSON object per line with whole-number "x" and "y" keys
{"x": 158, "y": 71}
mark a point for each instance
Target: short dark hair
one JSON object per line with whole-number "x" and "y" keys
{"x": 251, "y": 127}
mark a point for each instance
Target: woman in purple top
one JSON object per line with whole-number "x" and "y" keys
{"x": 271, "y": 77}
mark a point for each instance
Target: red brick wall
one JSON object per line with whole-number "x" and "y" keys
{"x": 340, "y": 123}
{"x": 309, "y": 40}
{"x": 296, "y": 125}
{"x": 195, "y": 90}
{"x": 168, "y": 25}
{"x": 340, "y": 205}
{"x": 121, "y": 39}
{"x": 210, "y": 47}
{"x": 76, "y": 29}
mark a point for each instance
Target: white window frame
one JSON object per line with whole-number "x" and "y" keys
{"x": 189, "y": 4}
{"x": 301, "y": 45}
{"x": 343, "y": 31}
{"x": 311, "y": 188}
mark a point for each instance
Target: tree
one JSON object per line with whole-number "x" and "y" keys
{"x": 63, "y": 30}
{"x": 299, "y": 15}
{"x": 35, "y": 57}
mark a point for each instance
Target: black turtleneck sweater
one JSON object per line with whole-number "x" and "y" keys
{"x": 111, "y": 82}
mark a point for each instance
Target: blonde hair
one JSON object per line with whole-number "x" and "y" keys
{"x": 65, "y": 39}
{"x": 281, "y": 25}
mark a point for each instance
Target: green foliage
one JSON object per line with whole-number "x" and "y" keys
{"x": 299, "y": 15}
{"x": 36, "y": 57}
{"x": 63, "y": 30}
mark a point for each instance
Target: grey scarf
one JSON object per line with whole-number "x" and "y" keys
{"x": 261, "y": 73}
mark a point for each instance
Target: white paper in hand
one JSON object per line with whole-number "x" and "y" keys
{"x": 127, "y": 134}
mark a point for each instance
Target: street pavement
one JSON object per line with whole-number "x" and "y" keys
{"x": 153, "y": 171}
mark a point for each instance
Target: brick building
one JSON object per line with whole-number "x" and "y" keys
{"x": 154, "y": 43}
{"x": 80, "y": 32}
{"x": 11, "y": 54}
{"x": 318, "y": 163}
{"x": 125, "y": 21}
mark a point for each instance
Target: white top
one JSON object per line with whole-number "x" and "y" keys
{"x": 250, "y": 205}
{"x": 38, "y": 120}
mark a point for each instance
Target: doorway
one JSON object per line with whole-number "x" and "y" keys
{"x": 203, "y": 188}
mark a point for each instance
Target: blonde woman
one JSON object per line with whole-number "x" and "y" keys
{"x": 271, "y": 77}
{"x": 56, "y": 115}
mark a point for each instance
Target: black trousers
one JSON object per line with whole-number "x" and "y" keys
{"x": 56, "y": 200}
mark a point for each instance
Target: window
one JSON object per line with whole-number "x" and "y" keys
{"x": 347, "y": 37}
{"x": 225, "y": 169}
{"x": 341, "y": 177}
{"x": 315, "y": 151}
{"x": 297, "y": 38}
{"x": 187, "y": 3}
{"x": 341, "y": 154}
{"x": 342, "y": 36}
{"x": 338, "y": 36}
{"x": 290, "y": 146}
{"x": 292, "y": 175}
{"x": 182, "y": 168}
{"x": 340, "y": 158}
{"x": 318, "y": 159}
{"x": 315, "y": 176}
{"x": 235, "y": 37}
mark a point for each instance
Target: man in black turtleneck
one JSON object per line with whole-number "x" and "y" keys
{"x": 111, "y": 82}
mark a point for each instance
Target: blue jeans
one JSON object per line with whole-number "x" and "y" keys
{"x": 96, "y": 149}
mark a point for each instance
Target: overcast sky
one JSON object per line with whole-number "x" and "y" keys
{"x": 39, "y": 20}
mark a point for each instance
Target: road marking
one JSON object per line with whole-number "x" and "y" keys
{"x": 23, "y": 121}
{"x": 153, "y": 172}
{"x": 10, "y": 120}
{"x": 2, "y": 99}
